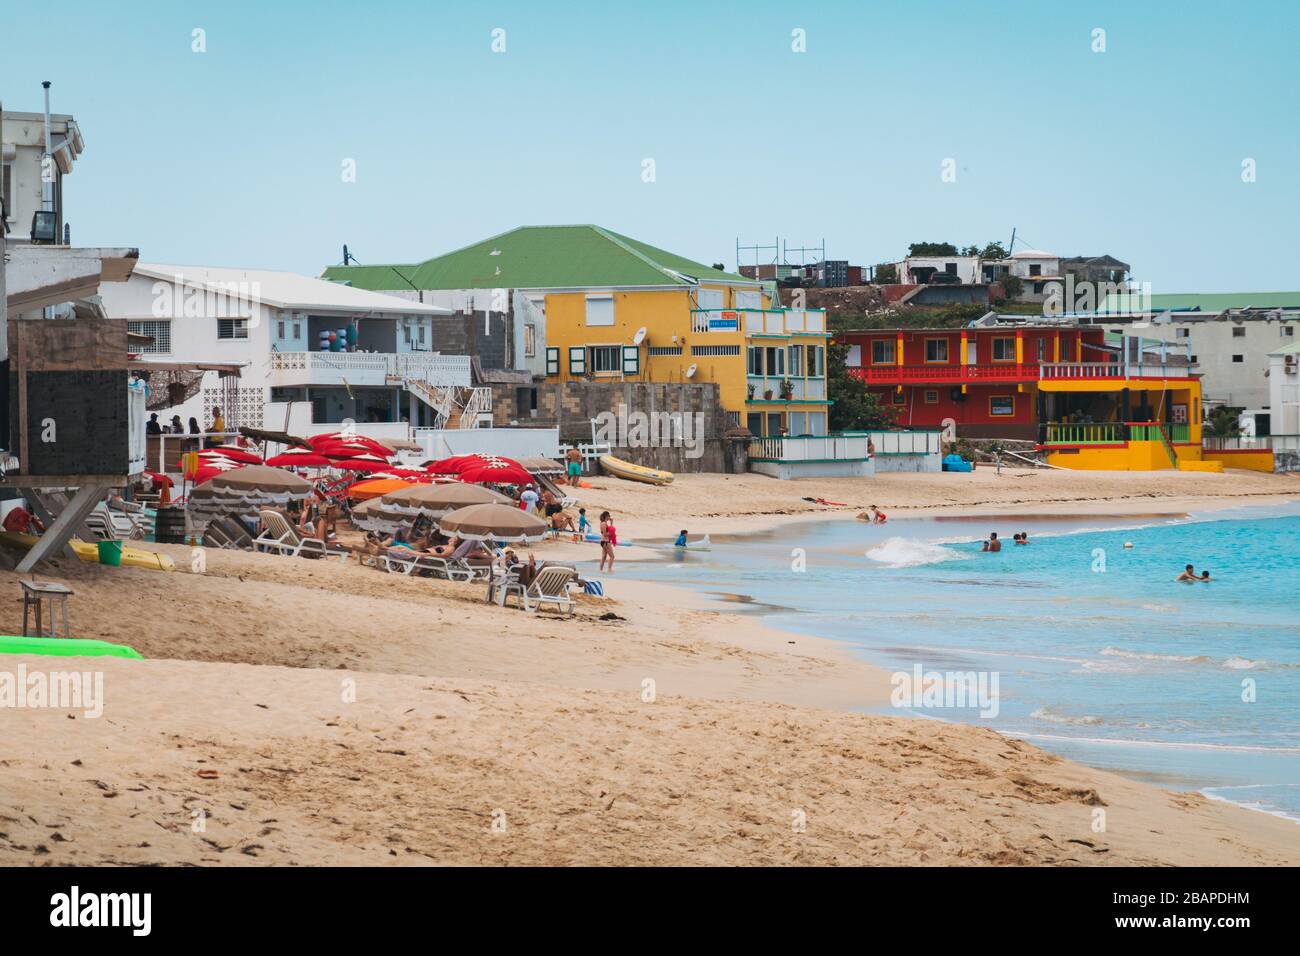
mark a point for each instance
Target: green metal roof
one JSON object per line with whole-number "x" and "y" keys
{"x": 541, "y": 257}
{"x": 1292, "y": 349}
{"x": 1206, "y": 302}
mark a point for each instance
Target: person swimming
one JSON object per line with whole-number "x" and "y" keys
{"x": 681, "y": 540}
{"x": 1205, "y": 576}
{"x": 877, "y": 516}
{"x": 993, "y": 543}
{"x": 1188, "y": 575}
{"x": 1021, "y": 538}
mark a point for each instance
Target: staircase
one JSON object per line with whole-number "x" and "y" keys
{"x": 453, "y": 406}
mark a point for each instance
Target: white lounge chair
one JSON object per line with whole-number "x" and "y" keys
{"x": 280, "y": 536}
{"x": 455, "y": 567}
{"x": 550, "y": 588}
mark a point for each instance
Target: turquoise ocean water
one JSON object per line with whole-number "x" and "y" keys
{"x": 1100, "y": 655}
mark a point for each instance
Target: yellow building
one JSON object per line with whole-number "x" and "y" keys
{"x": 590, "y": 304}
{"x": 1133, "y": 407}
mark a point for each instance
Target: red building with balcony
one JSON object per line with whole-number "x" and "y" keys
{"x": 985, "y": 380}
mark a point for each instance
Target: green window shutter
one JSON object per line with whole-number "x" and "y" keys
{"x": 578, "y": 360}
{"x": 631, "y": 360}
{"x": 553, "y": 360}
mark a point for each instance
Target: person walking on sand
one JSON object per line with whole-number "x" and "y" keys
{"x": 608, "y": 540}
{"x": 573, "y": 465}
{"x": 528, "y": 500}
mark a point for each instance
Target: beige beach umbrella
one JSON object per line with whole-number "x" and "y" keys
{"x": 373, "y": 516}
{"x": 496, "y": 521}
{"x": 435, "y": 500}
{"x": 245, "y": 491}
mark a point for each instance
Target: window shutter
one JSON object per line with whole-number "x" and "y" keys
{"x": 578, "y": 360}
{"x": 631, "y": 360}
{"x": 553, "y": 360}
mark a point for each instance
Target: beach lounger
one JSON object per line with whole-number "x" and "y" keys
{"x": 457, "y": 566}
{"x": 227, "y": 533}
{"x": 550, "y": 588}
{"x": 282, "y": 537}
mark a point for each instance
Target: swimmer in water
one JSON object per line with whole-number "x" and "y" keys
{"x": 1205, "y": 576}
{"x": 877, "y": 516}
{"x": 993, "y": 542}
{"x": 1188, "y": 575}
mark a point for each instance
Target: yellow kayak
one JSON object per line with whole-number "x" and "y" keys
{"x": 135, "y": 557}
{"x": 625, "y": 469}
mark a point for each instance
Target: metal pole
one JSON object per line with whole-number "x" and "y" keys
{"x": 47, "y": 170}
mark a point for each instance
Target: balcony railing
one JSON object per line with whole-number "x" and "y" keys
{"x": 368, "y": 368}
{"x": 811, "y": 448}
{"x": 1116, "y": 433}
{"x": 812, "y": 389}
{"x": 940, "y": 372}
{"x": 1079, "y": 370}
{"x": 759, "y": 321}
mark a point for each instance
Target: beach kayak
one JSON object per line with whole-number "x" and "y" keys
{"x": 625, "y": 469}
{"x": 135, "y": 557}
{"x": 64, "y": 647}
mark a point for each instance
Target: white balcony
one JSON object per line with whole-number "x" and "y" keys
{"x": 812, "y": 389}
{"x": 289, "y": 369}
{"x": 759, "y": 321}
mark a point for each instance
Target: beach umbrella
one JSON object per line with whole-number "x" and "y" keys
{"x": 258, "y": 480}
{"x": 373, "y": 516}
{"x": 434, "y": 500}
{"x": 350, "y": 444}
{"x": 374, "y": 487}
{"x": 498, "y": 522}
{"x": 247, "y": 489}
{"x": 361, "y": 463}
{"x": 299, "y": 458}
{"x": 233, "y": 452}
{"x": 496, "y": 471}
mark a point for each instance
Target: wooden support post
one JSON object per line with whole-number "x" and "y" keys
{"x": 61, "y": 532}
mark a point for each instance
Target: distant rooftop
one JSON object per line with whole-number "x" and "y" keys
{"x": 1121, "y": 303}
{"x": 286, "y": 290}
{"x": 542, "y": 257}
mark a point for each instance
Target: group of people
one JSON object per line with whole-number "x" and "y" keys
{"x": 1189, "y": 575}
{"x": 994, "y": 543}
{"x": 176, "y": 427}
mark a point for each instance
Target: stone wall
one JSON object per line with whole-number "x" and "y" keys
{"x": 570, "y": 406}
{"x": 465, "y": 333}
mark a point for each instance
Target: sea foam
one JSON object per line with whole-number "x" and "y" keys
{"x": 910, "y": 553}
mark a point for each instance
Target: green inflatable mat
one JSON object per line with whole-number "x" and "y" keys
{"x": 65, "y": 647}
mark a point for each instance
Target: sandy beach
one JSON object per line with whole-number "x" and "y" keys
{"x": 306, "y": 712}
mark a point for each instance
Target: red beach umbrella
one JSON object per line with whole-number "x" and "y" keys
{"x": 492, "y": 470}
{"x": 299, "y": 458}
{"x": 349, "y": 444}
{"x": 241, "y": 455}
{"x": 365, "y": 463}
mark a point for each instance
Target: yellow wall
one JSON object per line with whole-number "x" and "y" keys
{"x": 1182, "y": 391}
{"x": 1252, "y": 460}
{"x": 665, "y": 314}
{"x": 1135, "y": 456}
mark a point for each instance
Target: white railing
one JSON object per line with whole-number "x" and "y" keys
{"x": 759, "y": 321}
{"x": 1080, "y": 370}
{"x": 851, "y": 447}
{"x": 370, "y": 368}
{"x": 906, "y": 442}
{"x": 479, "y": 403}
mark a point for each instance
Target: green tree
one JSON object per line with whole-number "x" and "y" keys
{"x": 994, "y": 250}
{"x": 1011, "y": 285}
{"x": 932, "y": 249}
{"x": 886, "y": 274}
{"x": 1224, "y": 422}
{"x": 853, "y": 407}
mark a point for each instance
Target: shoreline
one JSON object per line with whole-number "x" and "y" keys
{"x": 462, "y": 708}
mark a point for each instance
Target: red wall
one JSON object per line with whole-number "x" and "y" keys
{"x": 914, "y": 343}
{"x": 974, "y": 410}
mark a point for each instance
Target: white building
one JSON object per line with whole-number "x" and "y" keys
{"x": 22, "y": 147}
{"x": 920, "y": 269}
{"x": 1284, "y": 391}
{"x": 288, "y": 352}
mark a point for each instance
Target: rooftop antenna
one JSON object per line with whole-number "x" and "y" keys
{"x": 756, "y": 249}
{"x": 348, "y": 258}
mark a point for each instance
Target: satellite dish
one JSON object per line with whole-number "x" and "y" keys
{"x": 690, "y": 372}
{"x": 640, "y": 336}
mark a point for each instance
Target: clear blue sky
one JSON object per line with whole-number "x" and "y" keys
{"x": 234, "y": 156}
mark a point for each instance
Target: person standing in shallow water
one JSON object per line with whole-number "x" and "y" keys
{"x": 994, "y": 543}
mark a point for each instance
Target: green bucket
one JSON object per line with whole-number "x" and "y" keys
{"x": 110, "y": 552}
